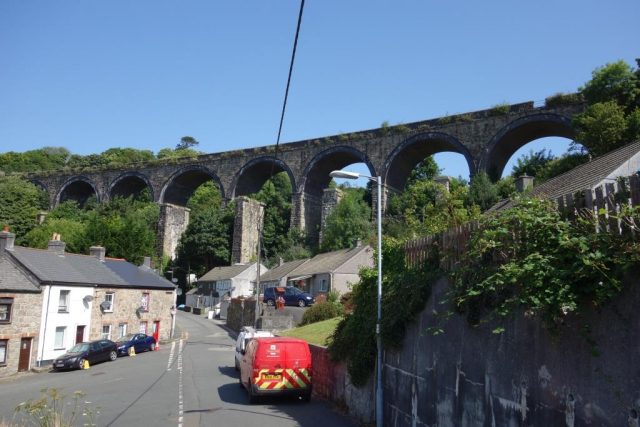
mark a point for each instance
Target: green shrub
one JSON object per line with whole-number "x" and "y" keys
{"x": 333, "y": 295}
{"x": 500, "y": 110}
{"x": 562, "y": 99}
{"x": 319, "y": 312}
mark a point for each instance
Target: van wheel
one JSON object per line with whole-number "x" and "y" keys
{"x": 301, "y": 303}
{"x": 252, "y": 397}
{"x": 271, "y": 302}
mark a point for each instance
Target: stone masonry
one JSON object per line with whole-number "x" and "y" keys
{"x": 125, "y": 311}
{"x": 249, "y": 213}
{"x": 173, "y": 221}
{"x": 26, "y": 313}
{"x": 330, "y": 200}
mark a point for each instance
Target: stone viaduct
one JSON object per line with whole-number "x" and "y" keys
{"x": 486, "y": 139}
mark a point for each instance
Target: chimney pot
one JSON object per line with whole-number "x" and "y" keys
{"x": 523, "y": 183}
{"x": 98, "y": 252}
{"x": 6, "y": 240}
{"x": 56, "y": 246}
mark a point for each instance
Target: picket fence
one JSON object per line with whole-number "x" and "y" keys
{"x": 604, "y": 201}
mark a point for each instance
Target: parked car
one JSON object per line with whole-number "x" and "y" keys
{"x": 93, "y": 352}
{"x": 277, "y": 366}
{"x": 292, "y": 296}
{"x": 138, "y": 342}
{"x": 244, "y": 337}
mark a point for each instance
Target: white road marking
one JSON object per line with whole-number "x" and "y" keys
{"x": 173, "y": 347}
{"x": 180, "y": 389}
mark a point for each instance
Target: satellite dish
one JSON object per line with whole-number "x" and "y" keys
{"x": 174, "y": 280}
{"x": 179, "y": 291}
{"x": 104, "y": 305}
{"x": 88, "y": 298}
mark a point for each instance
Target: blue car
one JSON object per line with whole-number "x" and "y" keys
{"x": 292, "y": 296}
{"x": 138, "y": 342}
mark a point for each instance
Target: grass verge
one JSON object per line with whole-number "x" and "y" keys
{"x": 315, "y": 333}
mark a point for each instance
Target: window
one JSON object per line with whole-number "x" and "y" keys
{"x": 5, "y": 310}
{"x": 143, "y": 327}
{"x": 63, "y": 302}
{"x": 145, "y": 302}
{"x": 122, "y": 330}
{"x": 106, "y": 332}
{"x": 108, "y": 298}
{"x": 323, "y": 285}
{"x": 3, "y": 352}
{"x": 60, "y": 333}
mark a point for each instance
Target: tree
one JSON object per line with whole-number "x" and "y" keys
{"x": 20, "y": 202}
{"x": 186, "y": 142}
{"x": 72, "y": 232}
{"x": 482, "y": 192}
{"x": 530, "y": 164}
{"x": 427, "y": 169}
{"x": 601, "y": 127}
{"x": 207, "y": 240}
{"x": 615, "y": 82}
{"x": 168, "y": 153}
{"x": 349, "y": 220}
{"x": 276, "y": 195}
{"x": 560, "y": 165}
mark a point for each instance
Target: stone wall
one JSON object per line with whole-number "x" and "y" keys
{"x": 522, "y": 377}
{"x": 241, "y": 313}
{"x": 330, "y": 200}
{"x": 273, "y": 320}
{"x": 331, "y": 381}
{"x": 172, "y": 222}
{"x": 249, "y": 213}
{"x": 26, "y": 314}
{"x": 126, "y": 303}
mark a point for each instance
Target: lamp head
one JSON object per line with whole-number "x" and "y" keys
{"x": 344, "y": 175}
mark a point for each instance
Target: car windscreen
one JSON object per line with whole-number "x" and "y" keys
{"x": 126, "y": 338}
{"x": 297, "y": 291}
{"x": 78, "y": 348}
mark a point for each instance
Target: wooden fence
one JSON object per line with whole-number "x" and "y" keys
{"x": 604, "y": 202}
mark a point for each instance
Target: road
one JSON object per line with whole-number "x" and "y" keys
{"x": 148, "y": 389}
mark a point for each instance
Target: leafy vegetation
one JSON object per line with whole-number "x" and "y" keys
{"x": 20, "y": 202}
{"x": 54, "y": 409}
{"x": 349, "y": 220}
{"x": 482, "y": 192}
{"x": 319, "y": 312}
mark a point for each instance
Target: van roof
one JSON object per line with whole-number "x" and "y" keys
{"x": 280, "y": 339}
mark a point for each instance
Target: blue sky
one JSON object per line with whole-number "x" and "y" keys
{"x": 94, "y": 75}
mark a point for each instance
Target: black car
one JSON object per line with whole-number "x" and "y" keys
{"x": 93, "y": 352}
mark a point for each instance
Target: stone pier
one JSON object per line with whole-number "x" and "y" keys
{"x": 249, "y": 213}
{"x": 173, "y": 221}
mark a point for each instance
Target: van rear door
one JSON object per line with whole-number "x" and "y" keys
{"x": 270, "y": 363}
{"x": 298, "y": 364}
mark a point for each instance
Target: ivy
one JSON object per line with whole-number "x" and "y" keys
{"x": 405, "y": 291}
{"x": 530, "y": 259}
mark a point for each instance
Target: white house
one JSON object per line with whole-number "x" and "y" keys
{"x": 232, "y": 281}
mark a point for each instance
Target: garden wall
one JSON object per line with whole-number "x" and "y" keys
{"x": 522, "y": 377}
{"x": 331, "y": 382}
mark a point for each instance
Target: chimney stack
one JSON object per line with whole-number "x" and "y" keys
{"x": 280, "y": 262}
{"x": 524, "y": 183}
{"x": 147, "y": 262}
{"x": 357, "y": 243}
{"x": 6, "y": 240}
{"x": 98, "y": 252}
{"x": 55, "y": 245}
{"x": 443, "y": 180}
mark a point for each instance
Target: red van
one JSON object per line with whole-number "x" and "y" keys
{"x": 277, "y": 366}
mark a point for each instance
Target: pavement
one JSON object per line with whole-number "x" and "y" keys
{"x": 189, "y": 382}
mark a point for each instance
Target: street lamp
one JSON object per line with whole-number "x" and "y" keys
{"x": 378, "y": 180}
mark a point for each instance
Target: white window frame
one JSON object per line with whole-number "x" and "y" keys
{"x": 8, "y": 303}
{"x": 145, "y": 301}
{"x": 323, "y": 286}
{"x": 146, "y": 327}
{"x": 122, "y": 327}
{"x": 108, "y": 334}
{"x": 59, "y": 345}
{"x": 112, "y": 301}
{"x": 3, "y": 360}
{"x": 64, "y": 308}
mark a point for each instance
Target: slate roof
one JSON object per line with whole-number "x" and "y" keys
{"x": 138, "y": 277}
{"x": 224, "y": 273}
{"x": 73, "y": 269}
{"x": 13, "y": 279}
{"x": 328, "y": 262}
{"x": 588, "y": 175}
{"x": 282, "y": 271}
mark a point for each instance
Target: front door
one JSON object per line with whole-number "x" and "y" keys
{"x": 79, "y": 334}
{"x": 25, "y": 354}
{"x": 156, "y": 330}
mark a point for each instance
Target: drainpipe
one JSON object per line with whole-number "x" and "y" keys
{"x": 46, "y": 321}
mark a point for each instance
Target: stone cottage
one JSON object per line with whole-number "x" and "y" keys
{"x": 20, "y": 312}
{"x": 279, "y": 275}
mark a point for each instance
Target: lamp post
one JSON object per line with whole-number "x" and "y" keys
{"x": 378, "y": 180}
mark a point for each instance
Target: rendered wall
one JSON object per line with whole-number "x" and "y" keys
{"x": 522, "y": 377}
